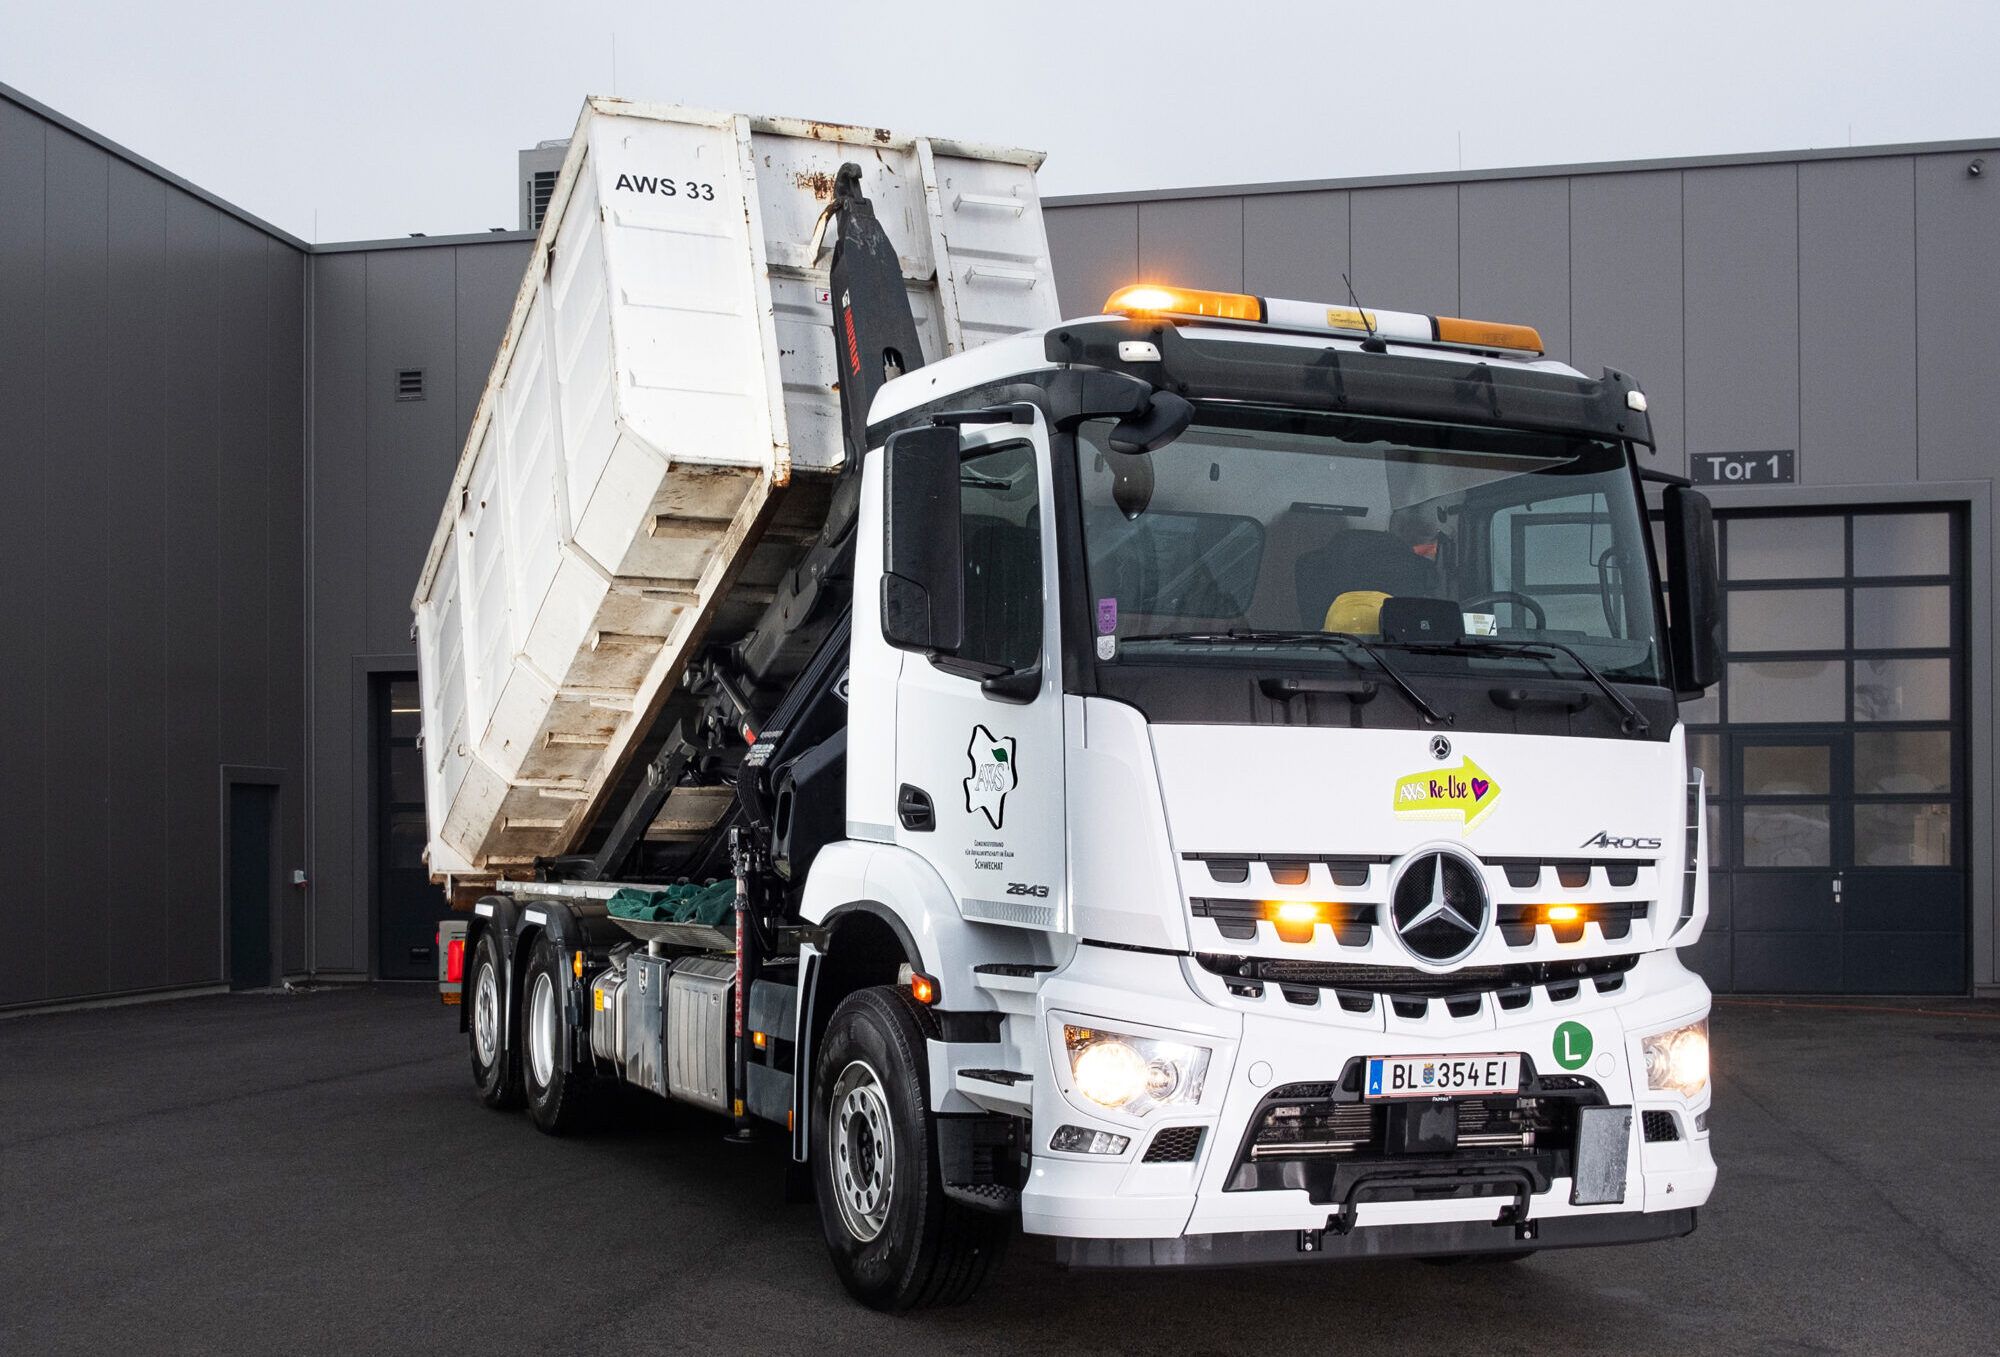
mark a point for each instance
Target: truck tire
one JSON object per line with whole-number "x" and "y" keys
{"x": 897, "y": 1241}
{"x": 557, "y": 1097}
{"x": 496, "y": 1060}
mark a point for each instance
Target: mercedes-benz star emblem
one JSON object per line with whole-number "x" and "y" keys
{"x": 1440, "y": 748}
{"x": 1440, "y": 907}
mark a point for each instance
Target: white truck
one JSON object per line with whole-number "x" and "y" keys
{"x": 1200, "y": 782}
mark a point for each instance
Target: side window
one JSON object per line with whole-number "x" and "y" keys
{"x": 1560, "y": 553}
{"x": 1001, "y": 522}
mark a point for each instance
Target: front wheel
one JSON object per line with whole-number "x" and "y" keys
{"x": 897, "y": 1241}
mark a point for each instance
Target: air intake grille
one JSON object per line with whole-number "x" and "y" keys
{"x": 540, "y": 189}
{"x": 410, "y": 384}
{"x": 1661, "y": 1126}
{"x": 1174, "y": 1145}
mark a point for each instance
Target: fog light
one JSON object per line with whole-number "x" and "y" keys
{"x": 1079, "y": 1140}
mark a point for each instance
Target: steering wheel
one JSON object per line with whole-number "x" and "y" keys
{"x": 1474, "y": 604}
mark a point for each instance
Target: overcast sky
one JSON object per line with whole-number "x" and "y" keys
{"x": 346, "y": 121}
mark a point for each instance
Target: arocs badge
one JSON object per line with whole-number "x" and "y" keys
{"x": 993, "y": 774}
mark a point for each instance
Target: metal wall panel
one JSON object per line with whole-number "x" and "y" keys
{"x": 23, "y": 363}
{"x": 412, "y": 444}
{"x": 485, "y": 279}
{"x": 1741, "y": 237}
{"x": 337, "y": 486}
{"x": 1404, "y": 246}
{"x": 1625, "y": 290}
{"x": 1513, "y": 256}
{"x": 1095, "y": 251}
{"x": 1295, "y": 245}
{"x": 135, "y": 546}
{"x": 1196, "y": 242}
{"x": 1857, "y": 321}
{"x": 142, "y": 384}
{"x": 1958, "y": 298}
{"x": 76, "y": 638}
{"x": 285, "y": 342}
{"x": 193, "y": 583}
{"x": 244, "y": 416}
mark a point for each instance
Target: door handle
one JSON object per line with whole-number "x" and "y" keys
{"x": 913, "y": 808}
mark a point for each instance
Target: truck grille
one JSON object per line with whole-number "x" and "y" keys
{"x": 1411, "y": 991}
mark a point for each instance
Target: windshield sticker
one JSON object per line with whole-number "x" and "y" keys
{"x": 1107, "y": 616}
{"x": 1464, "y": 793}
{"x": 1107, "y": 647}
{"x": 993, "y": 774}
{"x": 1481, "y": 624}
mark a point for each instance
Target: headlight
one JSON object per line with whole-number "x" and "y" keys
{"x": 1677, "y": 1059}
{"x": 1133, "y": 1074}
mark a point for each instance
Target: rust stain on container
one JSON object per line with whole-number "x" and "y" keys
{"x": 816, "y": 182}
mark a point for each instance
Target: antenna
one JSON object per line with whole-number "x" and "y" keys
{"x": 1374, "y": 342}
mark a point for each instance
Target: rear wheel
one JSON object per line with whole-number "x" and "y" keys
{"x": 556, "y": 1096}
{"x": 897, "y": 1241}
{"x": 496, "y": 1061}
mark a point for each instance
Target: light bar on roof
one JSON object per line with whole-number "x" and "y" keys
{"x": 1279, "y": 313}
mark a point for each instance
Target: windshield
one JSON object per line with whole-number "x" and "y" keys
{"x": 1277, "y": 521}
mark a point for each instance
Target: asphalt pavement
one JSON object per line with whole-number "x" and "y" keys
{"x": 311, "y": 1173}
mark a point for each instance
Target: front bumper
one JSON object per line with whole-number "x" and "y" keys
{"x": 1260, "y": 1046}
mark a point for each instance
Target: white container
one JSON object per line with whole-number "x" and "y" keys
{"x": 664, "y": 394}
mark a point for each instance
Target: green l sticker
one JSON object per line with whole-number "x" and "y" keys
{"x": 1572, "y": 1045}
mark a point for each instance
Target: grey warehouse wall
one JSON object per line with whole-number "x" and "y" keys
{"x": 1775, "y": 302}
{"x": 380, "y": 469}
{"x": 152, "y": 397}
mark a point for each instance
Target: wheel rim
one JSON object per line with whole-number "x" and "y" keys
{"x": 486, "y": 1016}
{"x": 863, "y": 1150}
{"x": 542, "y": 1030}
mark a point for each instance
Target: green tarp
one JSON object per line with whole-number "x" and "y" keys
{"x": 686, "y": 903}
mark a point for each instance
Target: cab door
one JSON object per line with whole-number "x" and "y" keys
{"x": 979, "y": 762}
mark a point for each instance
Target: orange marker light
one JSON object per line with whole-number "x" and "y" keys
{"x": 1562, "y": 914}
{"x": 1489, "y": 334}
{"x": 1148, "y": 299}
{"x": 922, "y": 988}
{"x": 759, "y": 1040}
{"x": 576, "y": 965}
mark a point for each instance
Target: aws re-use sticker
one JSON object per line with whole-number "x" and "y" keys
{"x": 1465, "y": 793}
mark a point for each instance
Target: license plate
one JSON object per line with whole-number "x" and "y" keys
{"x": 1442, "y": 1076}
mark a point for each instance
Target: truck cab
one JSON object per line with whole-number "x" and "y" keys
{"x": 1278, "y": 747}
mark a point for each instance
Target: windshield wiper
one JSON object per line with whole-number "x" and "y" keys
{"x": 1634, "y": 723}
{"x": 1250, "y": 636}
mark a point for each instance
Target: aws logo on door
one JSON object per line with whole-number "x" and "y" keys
{"x": 994, "y": 774}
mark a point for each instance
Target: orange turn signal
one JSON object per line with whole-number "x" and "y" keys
{"x": 922, "y": 988}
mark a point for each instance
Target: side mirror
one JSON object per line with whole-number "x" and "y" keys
{"x": 923, "y": 567}
{"x": 1694, "y": 614}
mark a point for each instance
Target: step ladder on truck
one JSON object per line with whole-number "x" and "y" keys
{"x": 1202, "y": 782}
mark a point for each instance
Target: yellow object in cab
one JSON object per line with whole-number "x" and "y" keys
{"x": 1357, "y": 612}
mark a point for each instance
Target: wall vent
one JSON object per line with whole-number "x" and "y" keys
{"x": 539, "y": 192}
{"x": 409, "y": 384}
{"x": 536, "y": 173}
